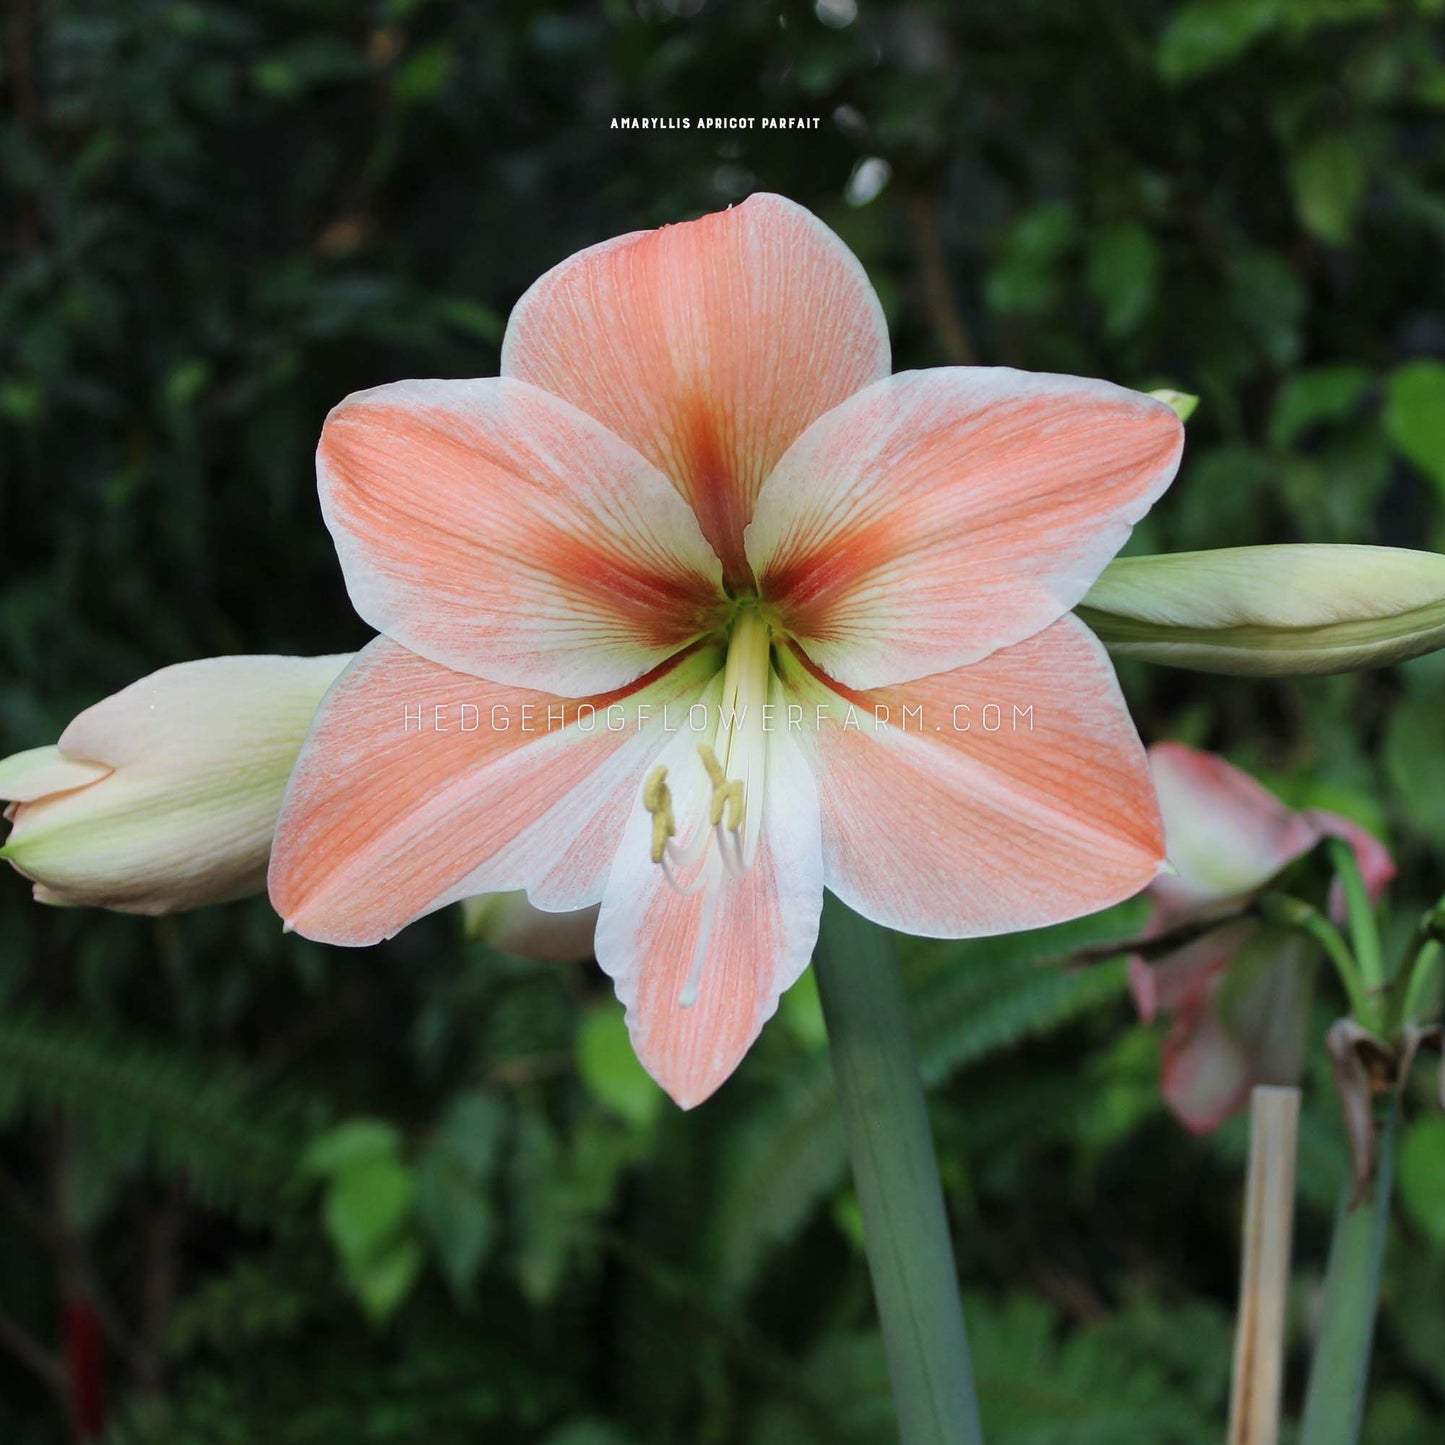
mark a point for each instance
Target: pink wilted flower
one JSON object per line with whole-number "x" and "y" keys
{"x": 696, "y": 610}
{"x": 1239, "y": 993}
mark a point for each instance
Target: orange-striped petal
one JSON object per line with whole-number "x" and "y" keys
{"x": 1006, "y": 795}
{"x": 420, "y": 786}
{"x": 709, "y": 346}
{"x": 755, "y": 933}
{"x": 942, "y": 514}
{"x": 499, "y": 531}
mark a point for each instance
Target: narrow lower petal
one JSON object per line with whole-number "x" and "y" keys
{"x": 420, "y": 786}
{"x": 743, "y": 940}
{"x": 499, "y": 531}
{"x": 1006, "y": 795}
{"x": 709, "y": 346}
{"x": 940, "y": 515}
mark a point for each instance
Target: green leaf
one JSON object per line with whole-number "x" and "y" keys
{"x": 1207, "y": 34}
{"x": 453, "y": 1184}
{"x": 1123, "y": 275}
{"x": 1270, "y": 300}
{"x": 472, "y": 1132}
{"x": 422, "y": 77}
{"x": 1025, "y": 280}
{"x": 383, "y": 1281}
{"x": 367, "y": 1203}
{"x": 1316, "y": 394}
{"x": 1328, "y": 181}
{"x": 609, "y": 1068}
{"x": 1415, "y": 415}
{"x": 1422, "y": 1176}
{"x": 457, "y": 1214}
{"x": 356, "y": 1140}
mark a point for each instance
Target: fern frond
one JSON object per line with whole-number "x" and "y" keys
{"x": 968, "y": 1000}
{"x": 177, "y": 1113}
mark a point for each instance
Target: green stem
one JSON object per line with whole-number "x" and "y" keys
{"x": 1424, "y": 969}
{"x": 1340, "y": 1370}
{"x": 1364, "y": 928}
{"x": 895, "y": 1170}
{"x": 1419, "y": 965}
{"x": 1289, "y": 912}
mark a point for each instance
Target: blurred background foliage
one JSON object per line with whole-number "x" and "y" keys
{"x": 265, "y": 1190}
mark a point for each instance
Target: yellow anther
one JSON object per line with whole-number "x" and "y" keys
{"x": 662, "y": 830}
{"x": 657, "y": 799}
{"x": 655, "y": 792}
{"x": 726, "y": 796}
{"x": 732, "y": 796}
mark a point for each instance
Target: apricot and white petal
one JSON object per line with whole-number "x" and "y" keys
{"x": 744, "y": 939}
{"x": 940, "y": 515}
{"x": 419, "y": 786}
{"x": 1006, "y": 795}
{"x": 710, "y": 346}
{"x": 170, "y": 788}
{"x": 499, "y": 531}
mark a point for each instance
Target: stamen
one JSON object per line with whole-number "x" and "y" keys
{"x": 671, "y": 862}
{"x": 657, "y": 799}
{"x": 726, "y": 794}
{"x": 735, "y": 765}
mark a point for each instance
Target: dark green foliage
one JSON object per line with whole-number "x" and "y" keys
{"x": 157, "y": 1109}
{"x": 421, "y": 1193}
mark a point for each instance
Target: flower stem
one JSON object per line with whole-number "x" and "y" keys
{"x": 1364, "y": 927}
{"x": 1340, "y": 1370}
{"x": 1289, "y": 912}
{"x": 885, "y": 1119}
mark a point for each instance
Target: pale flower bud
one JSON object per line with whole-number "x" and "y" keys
{"x": 165, "y": 796}
{"x": 1272, "y": 611}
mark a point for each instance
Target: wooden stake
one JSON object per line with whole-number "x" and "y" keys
{"x": 1264, "y": 1279}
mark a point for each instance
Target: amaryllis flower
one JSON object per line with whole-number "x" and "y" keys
{"x": 695, "y": 494}
{"x": 1239, "y": 993}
